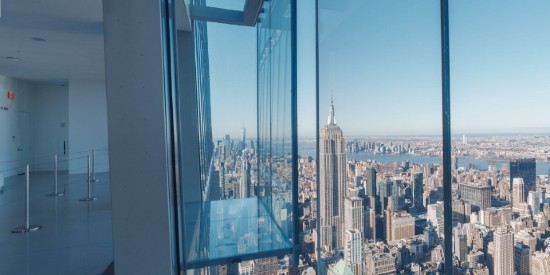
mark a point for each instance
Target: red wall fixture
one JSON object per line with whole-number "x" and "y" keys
{"x": 11, "y": 95}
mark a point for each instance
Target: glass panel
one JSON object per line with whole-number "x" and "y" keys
{"x": 243, "y": 210}
{"x": 275, "y": 158}
{"x": 499, "y": 84}
{"x": 380, "y": 145}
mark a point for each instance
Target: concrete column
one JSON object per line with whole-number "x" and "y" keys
{"x": 143, "y": 222}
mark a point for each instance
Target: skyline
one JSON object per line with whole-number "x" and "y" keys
{"x": 498, "y": 69}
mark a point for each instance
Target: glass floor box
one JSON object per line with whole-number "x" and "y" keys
{"x": 234, "y": 229}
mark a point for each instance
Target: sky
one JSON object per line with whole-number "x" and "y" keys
{"x": 381, "y": 61}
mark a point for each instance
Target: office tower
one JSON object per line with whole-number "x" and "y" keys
{"x": 462, "y": 211}
{"x": 521, "y": 259}
{"x": 243, "y": 138}
{"x": 435, "y": 216}
{"x": 504, "y": 251}
{"x": 370, "y": 186}
{"x": 402, "y": 226}
{"x": 417, "y": 191}
{"x": 388, "y": 216}
{"x": 464, "y": 140}
{"x": 430, "y": 236}
{"x": 533, "y": 200}
{"x": 478, "y": 194}
{"x": 384, "y": 191}
{"x": 354, "y": 214}
{"x": 332, "y": 183}
{"x": 397, "y": 194}
{"x": 353, "y": 251}
{"x": 227, "y": 147}
{"x": 527, "y": 170}
{"x": 244, "y": 191}
{"x": 222, "y": 180}
{"x": 370, "y": 229}
{"x": 518, "y": 188}
{"x": 460, "y": 247}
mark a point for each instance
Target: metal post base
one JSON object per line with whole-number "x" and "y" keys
{"x": 56, "y": 194}
{"x": 88, "y": 199}
{"x": 24, "y": 229}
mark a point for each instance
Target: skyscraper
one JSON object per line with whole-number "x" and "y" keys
{"x": 504, "y": 251}
{"x": 352, "y": 251}
{"x": 527, "y": 170}
{"x": 332, "y": 183}
{"x": 354, "y": 214}
{"x": 243, "y": 138}
{"x": 370, "y": 182}
{"x": 244, "y": 191}
{"x": 417, "y": 191}
{"x": 518, "y": 190}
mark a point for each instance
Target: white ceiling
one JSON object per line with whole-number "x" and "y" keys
{"x": 73, "y": 49}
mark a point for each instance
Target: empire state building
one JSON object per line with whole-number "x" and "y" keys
{"x": 332, "y": 184}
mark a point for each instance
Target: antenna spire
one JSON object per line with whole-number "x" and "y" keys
{"x": 331, "y": 112}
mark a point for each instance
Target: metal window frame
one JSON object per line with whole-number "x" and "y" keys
{"x": 247, "y": 17}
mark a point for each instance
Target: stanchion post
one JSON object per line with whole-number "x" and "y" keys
{"x": 94, "y": 179}
{"x": 27, "y": 227}
{"x": 90, "y": 187}
{"x": 55, "y": 193}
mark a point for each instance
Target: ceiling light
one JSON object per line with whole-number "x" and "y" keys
{"x": 39, "y": 39}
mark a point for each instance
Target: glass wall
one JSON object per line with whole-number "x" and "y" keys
{"x": 276, "y": 161}
{"x": 380, "y": 174}
{"x": 500, "y": 58}
{"x": 239, "y": 199}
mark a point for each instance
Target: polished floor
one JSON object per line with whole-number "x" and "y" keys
{"x": 75, "y": 238}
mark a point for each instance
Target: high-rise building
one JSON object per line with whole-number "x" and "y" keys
{"x": 521, "y": 259}
{"x": 527, "y": 170}
{"x": 354, "y": 214}
{"x": 478, "y": 194}
{"x": 222, "y": 180}
{"x": 244, "y": 191}
{"x": 385, "y": 188}
{"x": 460, "y": 247}
{"x": 402, "y": 226}
{"x": 430, "y": 236}
{"x": 332, "y": 183}
{"x": 417, "y": 191}
{"x": 504, "y": 251}
{"x": 370, "y": 182}
{"x": 397, "y": 194}
{"x": 243, "y": 138}
{"x": 518, "y": 190}
{"x": 435, "y": 216}
{"x": 370, "y": 227}
{"x": 353, "y": 251}
{"x": 533, "y": 200}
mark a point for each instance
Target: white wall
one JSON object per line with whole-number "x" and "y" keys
{"x": 87, "y": 125}
{"x": 16, "y": 126}
{"x": 51, "y": 109}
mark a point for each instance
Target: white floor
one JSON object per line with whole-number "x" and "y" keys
{"x": 75, "y": 238}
